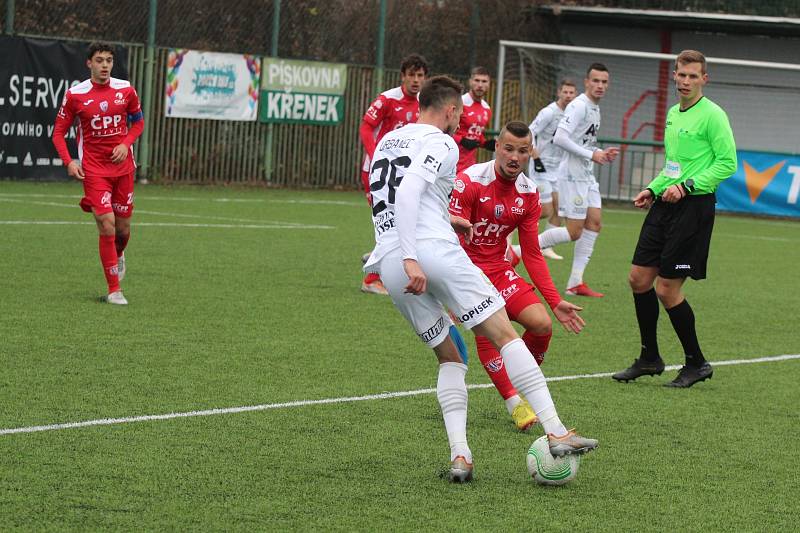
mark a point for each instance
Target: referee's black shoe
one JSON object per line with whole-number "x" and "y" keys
{"x": 689, "y": 375}
{"x": 639, "y": 368}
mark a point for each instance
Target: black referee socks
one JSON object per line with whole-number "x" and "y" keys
{"x": 682, "y": 319}
{"x": 646, "y": 304}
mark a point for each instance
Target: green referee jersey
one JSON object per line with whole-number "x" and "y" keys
{"x": 698, "y": 144}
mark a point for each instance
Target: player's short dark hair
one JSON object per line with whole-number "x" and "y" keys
{"x": 596, "y": 66}
{"x": 568, "y": 82}
{"x": 691, "y": 56}
{"x": 478, "y": 71}
{"x": 439, "y": 91}
{"x": 516, "y": 128}
{"x": 97, "y": 46}
{"x": 414, "y": 62}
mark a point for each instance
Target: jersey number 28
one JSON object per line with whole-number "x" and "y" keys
{"x": 388, "y": 177}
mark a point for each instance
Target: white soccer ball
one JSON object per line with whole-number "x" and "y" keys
{"x": 548, "y": 470}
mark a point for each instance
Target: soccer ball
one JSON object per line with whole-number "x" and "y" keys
{"x": 548, "y": 470}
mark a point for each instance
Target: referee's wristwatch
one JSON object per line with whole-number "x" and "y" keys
{"x": 688, "y": 186}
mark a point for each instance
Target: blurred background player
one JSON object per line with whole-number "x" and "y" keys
{"x": 474, "y": 120}
{"x": 392, "y": 109}
{"x": 498, "y": 198}
{"x": 105, "y": 108}
{"x": 578, "y": 191}
{"x": 543, "y": 128}
{"x": 424, "y": 268}
{"x": 700, "y": 152}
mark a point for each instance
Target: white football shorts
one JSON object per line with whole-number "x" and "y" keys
{"x": 575, "y": 197}
{"x": 545, "y": 188}
{"x": 453, "y": 281}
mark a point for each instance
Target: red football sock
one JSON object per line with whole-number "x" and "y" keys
{"x": 493, "y": 364}
{"x": 537, "y": 344}
{"x": 121, "y": 241}
{"x": 371, "y": 278}
{"x": 108, "y": 257}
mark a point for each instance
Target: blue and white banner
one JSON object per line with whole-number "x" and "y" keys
{"x": 764, "y": 184}
{"x": 212, "y": 85}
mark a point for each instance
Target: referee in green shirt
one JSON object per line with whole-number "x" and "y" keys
{"x": 673, "y": 244}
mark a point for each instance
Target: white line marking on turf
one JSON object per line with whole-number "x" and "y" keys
{"x": 141, "y": 197}
{"x": 163, "y": 224}
{"x": 348, "y": 399}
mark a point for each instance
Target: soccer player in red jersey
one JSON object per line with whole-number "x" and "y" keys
{"x": 474, "y": 120}
{"x": 498, "y": 198}
{"x": 391, "y": 110}
{"x": 109, "y": 121}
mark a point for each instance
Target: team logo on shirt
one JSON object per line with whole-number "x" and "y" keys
{"x": 408, "y": 116}
{"x": 103, "y": 106}
{"x": 459, "y": 185}
{"x": 498, "y": 210}
{"x": 519, "y": 201}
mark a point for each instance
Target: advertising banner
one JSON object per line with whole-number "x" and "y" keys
{"x": 302, "y": 92}
{"x": 212, "y": 85}
{"x": 34, "y": 77}
{"x": 764, "y": 184}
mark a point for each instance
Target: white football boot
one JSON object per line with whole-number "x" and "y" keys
{"x": 116, "y": 298}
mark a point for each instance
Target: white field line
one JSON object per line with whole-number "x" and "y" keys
{"x": 346, "y": 399}
{"x": 181, "y": 215}
{"x": 161, "y": 224}
{"x": 193, "y": 199}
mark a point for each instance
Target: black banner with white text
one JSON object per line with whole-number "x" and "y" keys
{"x": 34, "y": 77}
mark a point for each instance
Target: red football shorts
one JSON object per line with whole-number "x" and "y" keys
{"x": 516, "y": 291}
{"x": 105, "y": 195}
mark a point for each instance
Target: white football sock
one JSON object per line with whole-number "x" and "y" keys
{"x": 583, "y": 252}
{"x": 553, "y": 236}
{"x": 451, "y": 390}
{"x": 527, "y": 377}
{"x": 512, "y": 402}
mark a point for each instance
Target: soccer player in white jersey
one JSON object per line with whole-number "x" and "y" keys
{"x": 424, "y": 268}
{"x": 543, "y": 128}
{"x": 578, "y": 191}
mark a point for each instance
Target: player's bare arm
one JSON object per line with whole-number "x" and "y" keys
{"x": 75, "y": 170}
{"x": 119, "y": 154}
{"x": 462, "y": 226}
{"x": 644, "y": 199}
{"x": 567, "y": 313}
{"x": 417, "y": 281}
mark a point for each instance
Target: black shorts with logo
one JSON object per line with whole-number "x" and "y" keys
{"x": 676, "y": 237}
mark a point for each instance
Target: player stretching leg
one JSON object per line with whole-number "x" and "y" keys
{"x": 420, "y": 260}
{"x": 110, "y": 120}
{"x": 579, "y": 193}
{"x": 497, "y": 198}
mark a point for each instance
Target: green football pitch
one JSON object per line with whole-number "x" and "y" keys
{"x": 311, "y": 403}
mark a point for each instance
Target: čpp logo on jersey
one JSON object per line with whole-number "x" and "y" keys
{"x": 107, "y": 125}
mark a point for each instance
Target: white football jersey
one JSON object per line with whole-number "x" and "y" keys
{"x": 581, "y": 121}
{"x": 429, "y": 153}
{"x": 543, "y": 129}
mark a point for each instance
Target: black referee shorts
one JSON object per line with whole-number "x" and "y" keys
{"x": 676, "y": 237}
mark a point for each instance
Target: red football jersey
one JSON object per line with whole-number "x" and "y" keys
{"x": 496, "y": 207}
{"x": 474, "y": 121}
{"x": 103, "y": 111}
{"x": 391, "y": 110}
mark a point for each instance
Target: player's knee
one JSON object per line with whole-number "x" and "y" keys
{"x": 668, "y": 294}
{"x": 638, "y": 282}
{"x": 106, "y": 227}
{"x": 574, "y": 233}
